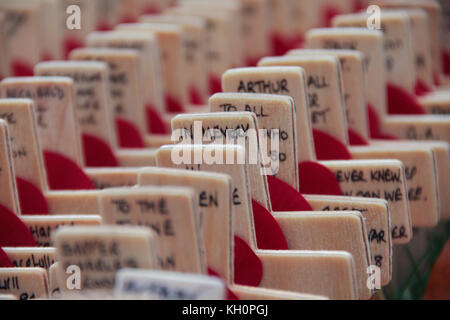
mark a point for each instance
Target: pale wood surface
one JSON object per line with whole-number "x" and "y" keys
{"x": 324, "y": 231}
{"x": 8, "y": 197}
{"x": 170, "y": 212}
{"x": 278, "y": 80}
{"x": 25, "y": 283}
{"x": 213, "y": 192}
{"x": 383, "y": 179}
{"x": 55, "y": 112}
{"x": 378, "y": 222}
{"x": 242, "y": 215}
{"x": 327, "y": 273}
{"x": 324, "y": 84}
{"x": 111, "y": 248}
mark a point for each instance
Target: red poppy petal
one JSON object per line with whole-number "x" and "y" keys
{"x": 21, "y": 68}
{"x": 356, "y": 139}
{"x": 446, "y": 61}
{"x": 421, "y": 88}
{"x": 269, "y": 235}
{"x": 248, "y": 268}
{"x": 329, "y": 12}
{"x": 5, "y": 262}
{"x": 280, "y": 44}
{"x": 229, "y": 294}
{"x": 128, "y": 135}
{"x": 329, "y": 148}
{"x": 65, "y": 174}
{"x": 317, "y": 179}
{"x": 13, "y": 232}
{"x": 97, "y": 153}
{"x": 194, "y": 96}
{"x": 32, "y": 200}
{"x": 173, "y": 105}
{"x": 402, "y": 102}
{"x": 71, "y": 43}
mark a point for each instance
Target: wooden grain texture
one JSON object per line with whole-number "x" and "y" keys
{"x": 324, "y": 231}
{"x": 90, "y": 83}
{"x": 353, "y": 76}
{"x": 126, "y": 102}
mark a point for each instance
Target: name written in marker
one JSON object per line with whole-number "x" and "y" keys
{"x": 262, "y": 86}
{"x": 318, "y": 82}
